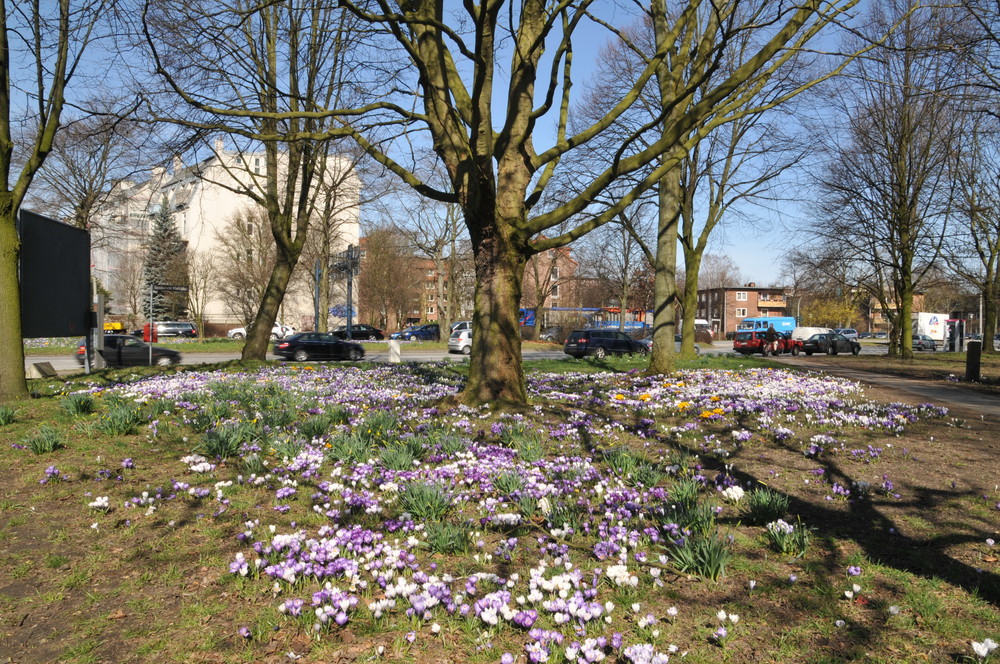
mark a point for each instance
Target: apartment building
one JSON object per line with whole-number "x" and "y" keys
{"x": 726, "y": 306}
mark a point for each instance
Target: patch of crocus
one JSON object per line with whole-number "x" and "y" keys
{"x": 853, "y": 570}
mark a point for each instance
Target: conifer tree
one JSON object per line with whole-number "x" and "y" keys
{"x": 165, "y": 265}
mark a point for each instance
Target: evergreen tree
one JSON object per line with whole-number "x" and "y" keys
{"x": 165, "y": 264}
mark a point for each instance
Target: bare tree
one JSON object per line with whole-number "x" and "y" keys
{"x": 202, "y": 286}
{"x": 888, "y": 192}
{"x": 390, "y": 284}
{"x": 244, "y": 262}
{"x": 450, "y": 65}
{"x": 42, "y": 44}
{"x": 261, "y": 73}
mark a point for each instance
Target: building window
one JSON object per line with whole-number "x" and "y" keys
{"x": 741, "y": 313}
{"x": 555, "y": 274}
{"x": 430, "y": 310}
{"x": 555, "y": 290}
{"x": 741, "y": 296}
{"x": 430, "y": 272}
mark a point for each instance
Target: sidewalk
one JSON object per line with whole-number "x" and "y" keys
{"x": 933, "y": 391}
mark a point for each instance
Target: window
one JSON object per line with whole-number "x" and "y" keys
{"x": 741, "y": 313}
{"x": 555, "y": 290}
{"x": 430, "y": 272}
{"x": 741, "y": 296}
{"x": 555, "y": 274}
{"x": 430, "y": 310}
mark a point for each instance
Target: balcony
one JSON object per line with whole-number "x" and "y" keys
{"x": 772, "y": 303}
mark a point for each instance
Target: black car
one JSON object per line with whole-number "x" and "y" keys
{"x": 317, "y": 346}
{"x": 363, "y": 332}
{"x": 429, "y": 332}
{"x": 831, "y": 344}
{"x": 602, "y": 342}
{"x": 172, "y": 329}
{"x": 123, "y": 350}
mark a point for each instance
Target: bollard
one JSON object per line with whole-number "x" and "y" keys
{"x": 394, "y": 351}
{"x": 972, "y": 361}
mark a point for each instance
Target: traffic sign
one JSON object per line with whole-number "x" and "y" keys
{"x": 175, "y": 289}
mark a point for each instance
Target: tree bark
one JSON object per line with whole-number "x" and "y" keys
{"x": 664, "y": 358}
{"x": 256, "y": 345}
{"x": 495, "y": 373}
{"x": 13, "y": 385}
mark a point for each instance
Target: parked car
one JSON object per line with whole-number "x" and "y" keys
{"x": 429, "y": 332}
{"x": 124, "y": 350}
{"x": 601, "y": 342}
{"x": 553, "y": 333}
{"x": 881, "y": 335}
{"x": 864, "y": 335}
{"x": 831, "y": 344}
{"x": 748, "y": 342}
{"x": 923, "y": 342}
{"x": 461, "y": 325}
{"x": 317, "y": 346}
{"x": 460, "y": 341}
{"x": 848, "y": 332}
{"x": 648, "y": 343}
{"x": 171, "y": 329}
{"x": 279, "y": 331}
{"x": 362, "y": 332}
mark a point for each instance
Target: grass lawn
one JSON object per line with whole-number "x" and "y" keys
{"x": 734, "y": 512}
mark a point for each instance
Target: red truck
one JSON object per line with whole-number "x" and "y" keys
{"x": 752, "y": 341}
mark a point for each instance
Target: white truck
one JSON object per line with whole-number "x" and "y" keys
{"x": 933, "y": 325}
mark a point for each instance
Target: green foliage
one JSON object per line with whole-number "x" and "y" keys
{"x": 425, "y": 501}
{"x": 622, "y": 462}
{"x": 647, "y": 475}
{"x": 566, "y": 515}
{"x": 253, "y": 464}
{"x": 764, "y": 505}
{"x": 450, "y": 443}
{"x": 350, "y": 448}
{"x": 704, "y": 555}
{"x": 788, "y": 539}
{"x": 698, "y": 518}
{"x": 318, "y": 426}
{"x": 397, "y": 458}
{"x": 78, "y": 404}
{"x": 225, "y": 440}
{"x": 445, "y": 537}
{"x": 381, "y": 428}
{"x": 121, "y": 419}
{"x": 684, "y": 493}
{"x": 508, "y": 482}
{"x": 527, "y": 506}
{"x": 287, "y": 449}
{"x": 165, "y": 264}
{"x": 7, "y": 415}
{"x": 47, "y": 439}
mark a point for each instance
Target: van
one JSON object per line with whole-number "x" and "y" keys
{"x": 803, "y": 333}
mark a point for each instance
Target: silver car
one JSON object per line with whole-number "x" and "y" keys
{"x": 460, "y": 341}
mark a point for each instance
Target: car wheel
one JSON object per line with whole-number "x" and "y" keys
{"x": 600, "y": 353}
{"x": 356, "y": 354}
{"x": 795, "y": 350}
{"x": 300, "y": 355}
{"x": 413, "y": 337}
{"x": 466, "y": 350}
{"x": 164, "y": 361}
{"x": 856, "y": 350}
{"x": 239, "y": 336}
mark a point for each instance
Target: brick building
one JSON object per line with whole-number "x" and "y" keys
{"x": 726, "y": 306}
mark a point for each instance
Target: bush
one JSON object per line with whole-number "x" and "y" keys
{"x": 7, "y": 415}
{"x": 78, "y": 404}
{"x": 706, "y": 556}
{"x": 121, "y": 419}
{"x": 444, "y": 537}
{"x": 765, "y": 505}
{"x": 350, "y": 448}
{"x": 788, "y": 539}
{"x": 46, "y": 439}
{"x": 425, "y": 501}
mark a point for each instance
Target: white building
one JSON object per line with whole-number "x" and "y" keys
{"x": 204, "y": 198}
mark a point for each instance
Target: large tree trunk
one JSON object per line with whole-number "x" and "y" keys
{"x": 13, "y": 385}
{"x": 259, "y": 334}
{"x": 988, "y": 324}
{"x": 689, "y": 301}
{"x": 664, "y": 359}
{"x": 495, "y": 374}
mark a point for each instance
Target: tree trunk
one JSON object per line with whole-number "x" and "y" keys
{"x": 496, "y": 376}
{"x": 988, "y": 324}
{"x": 13, "y": 384}
{"x": 664, "y": 359}
{"x": 689, "y": 301}
{"x": 259, "y": 334}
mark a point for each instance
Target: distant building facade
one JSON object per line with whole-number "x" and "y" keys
{"x": 204, "y": 198}
{"x": 726, "y": 306}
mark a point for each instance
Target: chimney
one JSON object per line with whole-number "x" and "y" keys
{"x": 220, "y": 146}
{"x": 178, "y": 165}
{"x": 157, "y": 174}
